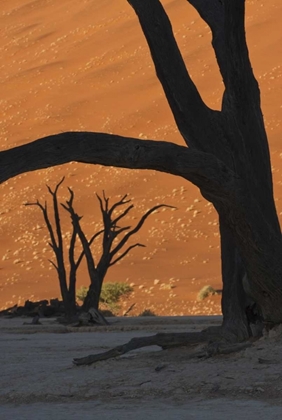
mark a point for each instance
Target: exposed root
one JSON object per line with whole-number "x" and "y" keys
{"x": 215, "y": 342}
{"x": 226, "y": 348}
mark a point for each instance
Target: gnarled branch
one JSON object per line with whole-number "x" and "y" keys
{"x": 218, "y": 344}
{"x": 136, "y": 228}
{"x": 202, "y": 169}
{"x": 212, "y": 12}
{"x": 186, "y": 104}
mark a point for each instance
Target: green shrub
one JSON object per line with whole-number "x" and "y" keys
{"x": 81, "y": 293}
{"x": 110, "y": 294}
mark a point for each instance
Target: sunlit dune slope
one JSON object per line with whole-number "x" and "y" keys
{"x": 84, "y": 65}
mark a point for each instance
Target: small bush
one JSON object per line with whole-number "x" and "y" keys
{"x": 81, "y": 293}
{"x": 205, "y": 292}
{"x": 110, "y": 295}
{"x": 147, "y": 312}
{"x": 112, "y": 292}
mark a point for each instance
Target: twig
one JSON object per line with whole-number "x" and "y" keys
{"x": 129, "y": 309}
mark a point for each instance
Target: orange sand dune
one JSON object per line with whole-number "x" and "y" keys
{"x": 84, "y": 65}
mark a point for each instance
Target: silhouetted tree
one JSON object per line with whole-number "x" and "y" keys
{"x": 112, "y": 250}
{"x": 227, "y": 158}
{"x": 67, "y": 286}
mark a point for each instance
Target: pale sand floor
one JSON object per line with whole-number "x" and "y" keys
{"x": 38, "y": 380}
{"x": 199, "y": 409}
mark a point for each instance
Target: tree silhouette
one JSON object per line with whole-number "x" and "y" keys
{"x": 227, "y": 158}
{"x": 112, "y": 248}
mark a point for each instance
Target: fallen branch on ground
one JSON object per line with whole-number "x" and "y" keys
{"x": 170, "y": 340}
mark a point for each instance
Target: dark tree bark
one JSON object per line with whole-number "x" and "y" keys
{"x": 228, "y": 156}
{"x": 234, "y": 299}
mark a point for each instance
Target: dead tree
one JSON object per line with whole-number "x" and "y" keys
{"x": 67, "y": 286}
{"x": 227, "y": 159}
{"x": 112, "y": 250}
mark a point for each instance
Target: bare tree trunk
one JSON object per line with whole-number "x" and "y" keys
{"x": 72, "y": 295}
{"x": 70, "y": 307}
{"x": 93, "y": 295}
{"x": 234, "y": 298}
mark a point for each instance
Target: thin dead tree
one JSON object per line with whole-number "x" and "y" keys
{"x": 227, "y": 159}
{"x": 114, "y": 239}
{"x": 67, "y": 286}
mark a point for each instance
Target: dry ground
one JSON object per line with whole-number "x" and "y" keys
{"x": 38, "y": 379}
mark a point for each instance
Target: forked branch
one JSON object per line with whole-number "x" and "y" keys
{"x": 127, "y": 236}
{"x": 76, "y": 226}
{"x": 125, "y": 253}
{"x": 187, "y": 106}
{"x": 212, "y": 12}
{"x": 227, "y": 22}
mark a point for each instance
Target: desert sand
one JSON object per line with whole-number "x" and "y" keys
{"x": 84, "y": 65}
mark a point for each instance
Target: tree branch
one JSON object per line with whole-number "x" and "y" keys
{"x": 118, "y": 231}
{"x": 53, "y": 244}
{"x": 124, "y": 253}
{"x": 136, "y": 229}
{"x": 59, "y": 248}
{"x": 119, "y": 203}
{"x": 212, "y": 12}
{"x": 90, "y": 242}
{"x": 241, "y": 84}
{"x": 123, "y": 214}
{"x": 86, "y": 247}
{"x": 54, "y": 265}
{"x": 219, "y": 345}
{"x": 93, "y": 148}
{"x": 107, "y": 237}
{"x": 73, "y": 265}
{"x": 69, "y": 208}
{"x": 193, "y": 118}
{"x": 226, "y": 20}
{"x": 163, "y": 340}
